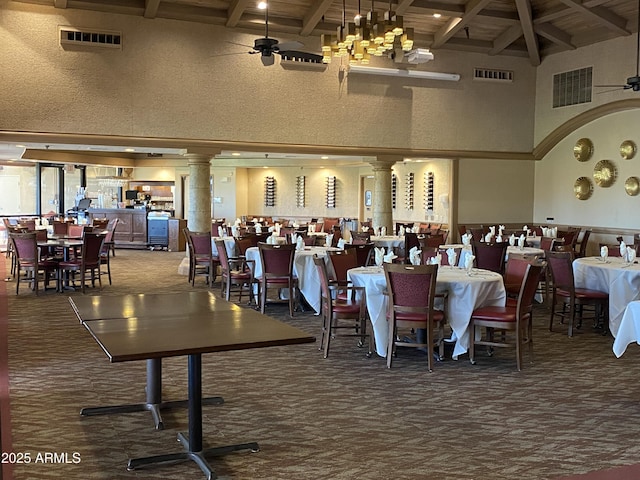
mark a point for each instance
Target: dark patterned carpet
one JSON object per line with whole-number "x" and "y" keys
{"x": 576, "y": 409}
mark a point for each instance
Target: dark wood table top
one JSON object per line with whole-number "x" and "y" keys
{"x": 158, "y": 326}
{"x": 148, "y": 305}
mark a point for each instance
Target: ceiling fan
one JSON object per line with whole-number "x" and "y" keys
{"x": 267, "y": 46}
{"x": 633, "y": 83}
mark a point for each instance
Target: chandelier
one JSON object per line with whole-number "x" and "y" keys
{"x": 367, "y": 36}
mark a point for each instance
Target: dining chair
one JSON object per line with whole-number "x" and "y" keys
{"x": 330, "y": 223}
{"x": 100, "y": 223}
{"x": 427, "y": 255}
{"x": 340, "y": 262}
{"x": 244, "y": 242}
{"x": 513, "y": 322}
{"x": 60, "y": 227}
{"x": 412, "y": 293}
{"x": 490, "y": 256}
{"x": 360, "y": 238}
{"x": 515, "y": 270}
{"x": 410, "y": 240}
{"x": 277, "y": 271}
{"x": 364, "y": 252}
{"x": 109, "y": 240}
{"x": 201, "y": 259}
{"x": 477, "y": 233}
{"x": 583, "y": 244}
{"x": 75, "y": 231}
{"x": 612, "y": 248}
{"x": 107, "y": 246}
{"x": 343, "y": 309}
{"x": 431, "y": 241}
{"x": 28, "y": 260}
{"x": 444, "y": 258}
{"x": 87, "y": 260}
{"x": 337, "y": 235}
{"x": 565, "y": 292}
{"x": 235, "y": 272}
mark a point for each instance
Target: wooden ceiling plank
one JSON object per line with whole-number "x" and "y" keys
{"x": 313, "y": 16}
{"x": 506, "y": 39}
{"x": 235, "y": 11}
{"x": 402, "y": 7}
{"x": 530, "y": 38}
{"x": 601, "y": 15}
{"x": 472, "y": 9}
{"x": 557, "y": 36}
{"x": 60, "y": 3}
{"x": 151, "y": 8}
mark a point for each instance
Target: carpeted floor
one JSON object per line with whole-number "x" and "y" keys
{"x": 575, "y": 410}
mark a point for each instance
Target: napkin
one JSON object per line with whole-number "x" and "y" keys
{"x": 466, "y": 239}
{"x": 501, "y": 229}
{"x": 488, "y": 237}
{"x": 365, "y": 228}
{"x": 631, "y": 254}
{"x": 235, "y": 231}
{"x": 525, "y": 228}
{"x": 276, "y": 228}
{"x": 623, "y": 250}
{"x": 436, "y": 260}
{"x": 341, "y": 243}
{"x": 312, "y": 228}
{"x": 295, "y": 225}
{"x": 271, "y": 239}
{"x": 328, "y": 240}
{"x": 468, "y": 263}
{"x": 389, "y": 257}
{"x": 294, "y": 238}
{"x": 383, "y": 231}
{"x": 604, "y": 252}
{"x": 492, "y": 230}
{"x": 512, "y": 240}
{"x": 379, "y": 255}
{"x": 401, "y": 231}
{"x": 261, "y": 219}
{"x": 300, "y": 243}
{"x": 414, "y": 256}
{"x": 499, "y": 238}
{"x": 221, "y": 232}
{"x": 376, "y": 231}
{"x": 523, "y": 238}
{"x": 238, "y": 222}
{"x": 545, "y": 232}
{"x": 271, "y": 228}
{"x": 553, "y": 232}
{"x": 258, "y": 228}
{"x": 451, "y": 256}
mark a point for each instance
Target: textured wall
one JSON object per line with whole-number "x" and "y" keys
{"x": 169, "y": 80}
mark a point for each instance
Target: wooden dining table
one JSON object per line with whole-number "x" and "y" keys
{"x": 217, "y": 327}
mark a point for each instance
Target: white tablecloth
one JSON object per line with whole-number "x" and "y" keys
{"x": 229, "y": 243}
{"x": 466, "y": 251}
{"x": 466, "y": 293}
{"x": 620, "y": 282}
{"x": 303, "y": 268}
{"x": 388, "y": 241}
{"x": 629, "y": 329}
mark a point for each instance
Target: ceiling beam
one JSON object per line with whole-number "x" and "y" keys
{"x": 506, "y": 39}
{"x": 60, "y": 3}
{"x": 313, "y": 16}
{"x": 601, "y": 15}
{"x": 151, "y": 8}
{"x": 402, "y": 7}
{"x": 557, "y": 36}
{"x": 472, "y": 8}
{"x": 530, "y": 38}
{"x": 235, "y": 11}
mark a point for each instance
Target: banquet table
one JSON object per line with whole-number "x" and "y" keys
{"x": 303, "y": 268}
{"x": 190, "y": 334}
{"x": 629, "y": 329}
{"x": 388, "y": 241}
{"x": 229, "y": 243}
{"x": 465, "y": 294}
{"x": 621, "y": 281}
{"x": 466, "y": 251}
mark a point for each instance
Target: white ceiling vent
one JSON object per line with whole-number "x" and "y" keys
{"x": 90, "y": 37}
{"x": 490, "y": 75}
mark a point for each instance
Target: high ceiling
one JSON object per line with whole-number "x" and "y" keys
{"x": 529, "y": 28}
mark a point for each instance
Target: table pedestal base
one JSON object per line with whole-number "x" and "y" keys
{"x": 198, "y": 457}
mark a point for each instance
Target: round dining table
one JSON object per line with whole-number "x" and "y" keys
{"x": 466, "y": 292}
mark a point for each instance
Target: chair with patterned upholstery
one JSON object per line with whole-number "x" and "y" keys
{"x": 235, "y": 272}
{"x": 343, "y": 309}
{"x": 490, "y": 256}
{"x": 510, "y": 319}
{"x": 277, "y": 272}
{"x": 565, "y": 292}
{"x": 412, "y": 293}
{"x": 29, "y": 261}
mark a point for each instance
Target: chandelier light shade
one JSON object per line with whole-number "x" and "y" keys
{"x": 367, "y": 36}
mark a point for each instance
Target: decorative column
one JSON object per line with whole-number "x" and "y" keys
{"x": 199, "y": 213}
{"x": 382, "y": 207}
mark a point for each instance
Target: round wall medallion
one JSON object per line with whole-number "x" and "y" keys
{"x": 583, "y": 188}
{"x": 605, "y": 173}
{"x": 632, "y": 186}
{"x": 583, "y": 149}
{"x": 628, "y": 149}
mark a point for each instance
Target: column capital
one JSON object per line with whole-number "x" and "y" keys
{"x": 385, "y": 162}
{"x": 198, "y": 158}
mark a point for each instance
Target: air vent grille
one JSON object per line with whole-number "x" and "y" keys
{"x": 490, "y": 75}
{"x": 90, "y": 38}
{"x": 572, "y": 88}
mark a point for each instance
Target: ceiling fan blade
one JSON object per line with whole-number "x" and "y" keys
{"x": 609, "y": 90}
{"x": 293, "y": 45}
{"x": 612, "y": 86}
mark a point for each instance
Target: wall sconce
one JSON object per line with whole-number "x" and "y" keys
{"x": 331, "y": 192}
{"x": 300, "y": 191}
{"x": 408, "y": 194}
{"x": 428, "y": 191}
{"x": 269, "y": 192}
{"x": 394, "y": 190}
